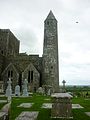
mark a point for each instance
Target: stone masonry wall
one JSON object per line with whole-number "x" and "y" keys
{"x": 21, "y": 62}
{"x": 9, "y": 44}
{"x": 13, "y": 45}
{"x": 2, "y": 58}
{"x": 3, "y": 41}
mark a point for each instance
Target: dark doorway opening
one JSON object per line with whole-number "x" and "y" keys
{"x": 20, "y": 81}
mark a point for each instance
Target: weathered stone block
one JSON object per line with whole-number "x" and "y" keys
{"x": 61, "y": 107}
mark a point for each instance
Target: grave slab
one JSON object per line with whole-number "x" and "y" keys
{"x": 87, "y": 113}
{"x": 47, "y": 99}
{"x": 87, "y": 99}
{"x": 26, "y": 105}
{"x": 27, "y": 115}
{"x": 3, "y": 101}
{"x": 2, "y": 95}
{"x": 76, "y": 106}
{"x": 47, "y": 105}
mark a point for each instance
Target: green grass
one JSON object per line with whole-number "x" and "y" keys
{"x": 44, "y": 114}
{"x": 37, "y": 100}
{"x": 78, "y": 114}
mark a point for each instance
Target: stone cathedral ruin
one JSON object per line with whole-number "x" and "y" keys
{"x": 39, "y": 71}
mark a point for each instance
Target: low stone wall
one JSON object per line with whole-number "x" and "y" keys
{"x": 4, "y": 112}
{"x": 4, "y": 116}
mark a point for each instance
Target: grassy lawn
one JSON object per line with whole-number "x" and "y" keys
{"x": 78, "y": 114}
{"x": 44, "y": 114}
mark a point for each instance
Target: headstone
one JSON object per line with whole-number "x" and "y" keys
{"x": 17, "y": 90}
{"x": 47, "y": 89}
{"x": 49, "y": 92}
{"x": 61, "y": 107}
{"x": 40, "y": 90}
{"x": 25, "y": 91}
{"x": 9, "y": 90}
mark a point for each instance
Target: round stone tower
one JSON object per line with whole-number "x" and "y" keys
{"x": 50, "y": 53}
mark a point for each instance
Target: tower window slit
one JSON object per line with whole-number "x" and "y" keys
{"x": 51, "y": 67}
{"x": 47, "y": 22}
{"x": 2, "y": 52}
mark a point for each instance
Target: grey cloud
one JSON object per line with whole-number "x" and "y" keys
{"x": 25, "y": 18}
{"x": 28, "y": 39}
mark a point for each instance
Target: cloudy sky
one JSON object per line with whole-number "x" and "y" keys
{"x": 25, "y": 18}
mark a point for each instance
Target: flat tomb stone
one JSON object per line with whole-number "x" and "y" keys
{"x": 47, "y": 105}
{"x": 76, "y": 106}
{"x": 87, "y": 99}
{"x": 21, "y": 96}
{"x": 2, "y": 95}
{"x": 87, "y": 113}
{"x": 2, "y": 114}
{"x": 28, "y": 115}
{"x": 6, "y": 107}
{"x": 26, "y": 105}
{"x": 47, "y": 99}
{"x": 3, "y": 101}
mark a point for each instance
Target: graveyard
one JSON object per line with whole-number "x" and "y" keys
{"x": 45, "y": 113}
{"x": 43, "y": 103}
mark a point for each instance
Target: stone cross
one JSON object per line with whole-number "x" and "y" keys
{"x": 9, "y": 90}
{"x": 25, "y": 92}
{"x": 64, "y": 85}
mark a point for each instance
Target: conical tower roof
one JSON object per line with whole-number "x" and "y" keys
{"x": 50, "y": 16}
